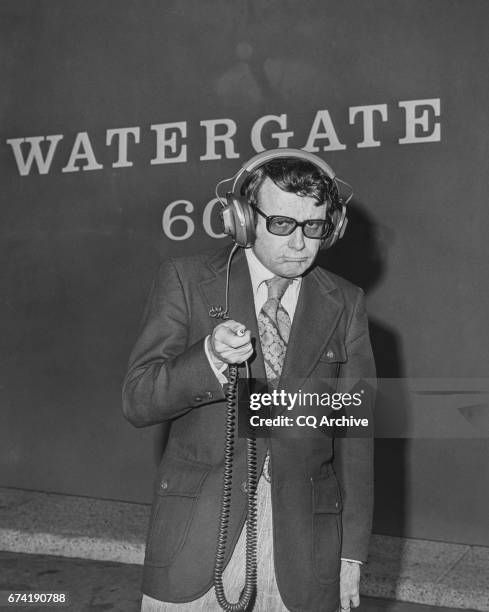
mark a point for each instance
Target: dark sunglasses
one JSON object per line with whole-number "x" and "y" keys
{"x": 284, "y": 226}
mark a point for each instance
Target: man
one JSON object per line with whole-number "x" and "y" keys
{"x": 320, "y": 490}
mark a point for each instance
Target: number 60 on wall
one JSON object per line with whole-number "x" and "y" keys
{"x": 172, "y": 215}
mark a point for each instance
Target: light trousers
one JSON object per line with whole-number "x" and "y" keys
{"x": 267, "y": 595}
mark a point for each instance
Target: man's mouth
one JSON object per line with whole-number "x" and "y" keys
{"x": 295, "y": 259}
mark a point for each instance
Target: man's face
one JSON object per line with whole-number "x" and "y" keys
{"x": 287, "y": 256}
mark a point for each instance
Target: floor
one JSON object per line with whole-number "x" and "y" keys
{"x": 104, "y": 586}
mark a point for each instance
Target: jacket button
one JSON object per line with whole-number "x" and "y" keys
{"x": 337, "y": 505}
{"x": 330, "y": 354}
{"x": 209, "y": 395}
{"x": 164, "y": 485}
{"x": 244, "y": 487}
{"x": 198, "y": 398}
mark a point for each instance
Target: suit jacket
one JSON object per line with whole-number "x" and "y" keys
{"x": 321, "y": 488}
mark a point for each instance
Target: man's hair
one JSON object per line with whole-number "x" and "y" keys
{"x": 294, "y": 176}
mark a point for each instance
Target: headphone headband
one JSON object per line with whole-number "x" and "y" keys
{"x": 265, "y": 156}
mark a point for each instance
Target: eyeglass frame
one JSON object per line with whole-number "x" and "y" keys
{"x": 329, "y": 227}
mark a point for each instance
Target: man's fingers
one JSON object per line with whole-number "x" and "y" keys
{"x": 344, "y": 599}
{"x": 226, "y": 349}
{"x": 345, "y": 605}
{"x": 248, "y": 354}
{"x": 236, "y": 356}
{"x": 234, "y": 337}
{"x": 229, "y": 354}
{"x": 349, "y": 600}
{"x": 349, "y": 584}
{"x": 235, "y": 341}
{"x": 233, "y": 326}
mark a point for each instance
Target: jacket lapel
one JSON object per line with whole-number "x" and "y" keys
{"x": 316, "y": 317}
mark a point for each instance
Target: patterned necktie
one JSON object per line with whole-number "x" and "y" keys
{"x": 274, "y": 329}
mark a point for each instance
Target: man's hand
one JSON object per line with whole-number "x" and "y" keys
{"x": 230, "y": 343}
{"x": 349, "y": 585}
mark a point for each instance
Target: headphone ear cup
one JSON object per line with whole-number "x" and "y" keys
{"x": 339, "y": 222}
{"x": 238, "y": 220}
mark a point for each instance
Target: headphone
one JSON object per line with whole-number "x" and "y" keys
{"x": 237, "y": 215}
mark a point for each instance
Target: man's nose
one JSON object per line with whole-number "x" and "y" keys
{"x": 296, "y": 239}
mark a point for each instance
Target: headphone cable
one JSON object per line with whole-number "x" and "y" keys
{"x": 231, "y": 392}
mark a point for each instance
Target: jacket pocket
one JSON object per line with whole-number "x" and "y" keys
{"x": 326, "y": 528}
{"x": 179, "y": 484}
{"x": 330, "y": 361}
{"x": 335, "y": 352}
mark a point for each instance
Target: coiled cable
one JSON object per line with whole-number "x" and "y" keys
{"x": 231, "y": 392}
{"x": 249, "y": 589}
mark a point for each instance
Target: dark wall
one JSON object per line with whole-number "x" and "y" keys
{"x": 79, "y": 247}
